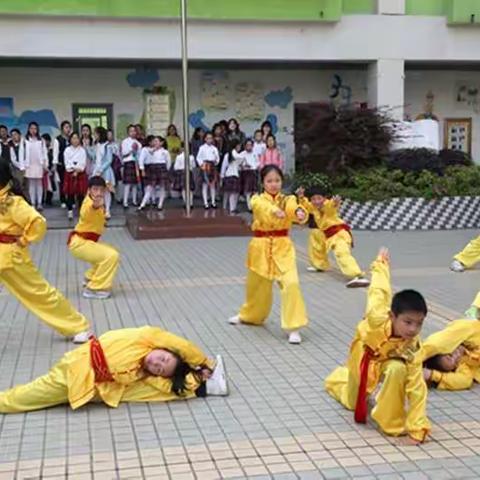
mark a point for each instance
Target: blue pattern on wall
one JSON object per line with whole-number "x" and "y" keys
{"x": 195, "y": 119}
{"x": 279, "y": 98}
{"x": 143, "y": 77}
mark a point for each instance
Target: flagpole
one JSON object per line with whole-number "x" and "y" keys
{"x": 186, "y": 135}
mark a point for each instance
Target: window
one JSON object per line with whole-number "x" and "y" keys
{"x": 95, "y": 114}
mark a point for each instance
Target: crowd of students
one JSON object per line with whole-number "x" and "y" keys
{"x": 141, "y": 169}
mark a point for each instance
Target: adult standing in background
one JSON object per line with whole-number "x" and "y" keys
{"x": 60, "y": 143}
{"x": 195, "y": 143}
{"x": 4, "y": 144}
{"x": 174, "y": 142}
{"x": 234, "y": 133}
{"x": 86, "y": 140}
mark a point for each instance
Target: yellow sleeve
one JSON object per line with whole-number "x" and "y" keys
{"x": 417, "y": 423}
{"x": 87, "y": 208}
{"x": 291, "y": 207}
{"x": 32, "y": 223}
{"x": 188, "y": 351}
{"x": 379, "y": 297}
{"x": 460, "y": 379}
{"x": 329, "y": 208}
{"x": 305, "y": 203}
{"x": 447, "y": 340}
{"x": 262, "y": 208}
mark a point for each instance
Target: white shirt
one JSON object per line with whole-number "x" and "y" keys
{"x": 127, "y": 149}
{"x": 208, "y": 153}
{"x": 17, "y": 162}
{"x": 159, "y": 157}
{"x": 250, "y": 160}
{"x": 75, "y": 158}
{"x": 145, "y": 157}
{"x": 180, "y": 162}
{"x": 259, "y": 148}
{"x": 231, "y": 169}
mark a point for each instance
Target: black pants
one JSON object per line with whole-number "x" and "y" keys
{"x": 71, "y": 201}
{"x": 61, "y": 175}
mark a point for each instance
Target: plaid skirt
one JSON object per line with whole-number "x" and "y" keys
{"x": 75, "y": 185}
{"x": 130, "y": 173}
{"x": 179, "y": 181}
{"x": 209, "y": 173}
{"x": 231, "y": 185}
{"x": 157, "y": 174}
{"x": 248, "y": 180}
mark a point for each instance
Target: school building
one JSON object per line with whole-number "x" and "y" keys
{"x": 118, "y": 61}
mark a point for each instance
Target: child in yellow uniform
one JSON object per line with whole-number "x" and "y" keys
{"x": 144, "y": 364}
{"x": 84, "y": 245}
{"x": 386, "y": 349}
{"x": 468, "y": 257}
{"x": 271, "y": 257}
{"x": 20, "y": 225}
{"x": 452, "y": 356}
{"x": 330, "y": 233}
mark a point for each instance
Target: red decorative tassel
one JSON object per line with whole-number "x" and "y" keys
{"x": 99, "y": 362}
{"x": 361, "y": 407}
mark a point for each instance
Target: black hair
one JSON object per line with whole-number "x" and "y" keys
{"x": 32, "y": 124}
{"x": 196, "y": 132}
{"x": 237, "y": 127}
{"x": 102, "y": 134}
{"x": 14, "y": 130}
{"x": 215, "y": 126}
{"x": 65, "y": 122}
{"x": 131, "y": 125}
{"x": 318, "y": 190}
{"x": 72, "y": 135}
{"x": 148, "y": 139}
{"x": 270, "y": 168}
{"x": 172, "y": 125}
{"x": 266, "y": 123}
{"x": 233, "y": 145}
{"x": 257, "y": 131}
{"x": 47, "y": 137}
{"x": 87, "y": 125}
{"x": 96, "y": 181}
{"x": 409, "y": 301}
{"x": 433, "y": 363}
{"x": 209, "y": 132}
{"x": 163, "y": 141}
{"x": 6, "y": 177}
{"x": 4, "y": 126}
{"x": 249, "y": 140}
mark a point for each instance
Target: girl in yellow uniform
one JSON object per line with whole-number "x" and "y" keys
{"x": 84, "y": 245}
{"x": 271, "y": 257}
{"x": 144, "y": 364}
{"x": 20, "y": 225}
{"x": 386, "y": 350}
{"x": 330, "y": 233}
{"x": 452, "y": 356}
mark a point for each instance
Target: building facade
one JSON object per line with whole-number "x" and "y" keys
{"x": 105, "y": 61}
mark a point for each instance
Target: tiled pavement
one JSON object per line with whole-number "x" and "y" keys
{"x": 278, "y": 422}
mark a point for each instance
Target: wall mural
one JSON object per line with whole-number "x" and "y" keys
{"x": 273, "y": 119}
{"x": 143, "y": 77}
{"x": 215, "y": 90}
{"x": 339, "y": 91}
{"x": 467, "y": 95}
{"x": 249, "y": 103}
{"x": 45, "y": 118}
{"x": 428, "y": 108}
{"x": 279, "y": 98}
{"x": 195, "y": 119}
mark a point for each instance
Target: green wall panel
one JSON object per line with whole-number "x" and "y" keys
{"x": 426, "y": 7}
{"x": 309, "y": 10}
{"x": 464, "y": 11}
{"x": 359, "y": 6}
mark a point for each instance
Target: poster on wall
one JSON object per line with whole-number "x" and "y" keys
{"x": 215, "y": 90}
{"x": 249, "y": 103}
{"x": 458, "y": 134}
{"x": 157, "y": 113}
{"x": 467, "y": 95}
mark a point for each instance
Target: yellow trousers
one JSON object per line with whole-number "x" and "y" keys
{"x": 470, "y": 255}
{"x": 104, "y": 260}
{"x": 389, "y": 411}
{"x": 476, "y": 302}
{"x": 51, "y": 389}
{"x": 26, "y": 283}
{"x": 259, "y": 295}
{"x": 341, "y": 244}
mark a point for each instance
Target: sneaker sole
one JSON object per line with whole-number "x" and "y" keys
{"x": 357, "y": 285}
{"x": 227, "y": 390}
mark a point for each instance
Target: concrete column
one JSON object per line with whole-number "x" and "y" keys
{"x": 391, "y": 7}
{"x": 386, "y": 85}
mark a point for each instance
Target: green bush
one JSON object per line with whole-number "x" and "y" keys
{"x": 382, "y": 183}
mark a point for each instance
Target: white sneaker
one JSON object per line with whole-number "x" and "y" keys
{"x": 313, "y": 269}
{"x": 63, "y": 205}
{"x": 217, "y": 383}
{"x": 70, "y": 214}
{"x": 294, "y": 337}
{"x": 457, "y": 266}
{"x": 358, "y": 282}
{"x": 82, "y": 337}
{"x": 108, "y": 216}
{"x": 96, "y": 294}
{"x": 234, "y": 320}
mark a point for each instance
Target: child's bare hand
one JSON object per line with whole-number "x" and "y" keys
{"x": 205, "y": 373}
{"x": 280, "y": 214}
{"x": 384, "y": 255}
{"x": 300, "y": 192}
{"x": 300, "y": 213}
{"x": 337, "y": 199}
{"x": 427, "y": 374}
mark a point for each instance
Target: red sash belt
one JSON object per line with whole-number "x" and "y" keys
{"x": 270, "y": 233}
{"x": 94, "y": 237}
{"x": 334, "y": 229}
{"x": 99, "y": 362}
{"x": 5, "y": 238}
{"x": 361, "y": 407}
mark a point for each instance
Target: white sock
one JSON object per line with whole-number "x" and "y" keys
{"x": 126, "y": 193}
{"x": 146, "y": 197}
{"x": 233, "y": 201}
{"x": 225, "y": 200}
{"x": 248, "y": 196}
{"x": 205, "y": 193}
{"x": 213, "y": 193}
{"x": 161, "y": 196}
{"x": 134, "y": 194}
{"x": 108, "y": 202}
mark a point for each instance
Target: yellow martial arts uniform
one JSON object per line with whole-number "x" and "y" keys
{"x": 72, "y": 379}
{"x": 340, "y": 243}
{"x": 103, "y": 257}
{"x": 470, "y": 255}
{"x": 445, "y": 342}
{"x": 272, "y": 258}
{"x": 396, "y": 362}
{"x": 19, "y": 274}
